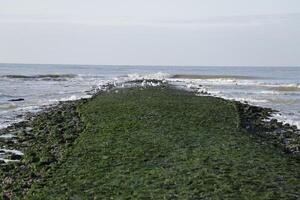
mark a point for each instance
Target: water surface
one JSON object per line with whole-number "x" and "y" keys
{"x": 40, "y": 85}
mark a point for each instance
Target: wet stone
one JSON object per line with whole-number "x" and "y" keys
{"x": 28, "y": 129}
{"x": 15, "y": 157}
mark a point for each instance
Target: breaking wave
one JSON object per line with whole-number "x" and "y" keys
{"x": 7, "y": 106}
{"x": 44, "y": 77}
{"x": 238, "y": 80}
{"x": 224, "y": 77}
{"x": 156, "y": 76}
{"x": 287, "y": 88}
{"x": 264, "y": 92}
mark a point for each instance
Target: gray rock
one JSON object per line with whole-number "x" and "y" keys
{"x": 279, "y": 131}
{"x": 28, "y": 129}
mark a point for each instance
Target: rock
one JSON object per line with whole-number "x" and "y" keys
{"x": 279, "y": 131}
{"x": 273, "y": 121}
{"x": 29, "y": 129}
{"x": 295, "y": 128}
{"x": 287, "y": 126}
{"x": 2, "y": 162}
{"x": 286, "y": 141}
{"x": 15, "y": 157}
{"x": 5, "y": 197}
{"x": 7, "y": 181}
{"x": 19, "y": 99}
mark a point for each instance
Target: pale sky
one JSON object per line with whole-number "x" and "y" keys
{"x": 151, "y": 32}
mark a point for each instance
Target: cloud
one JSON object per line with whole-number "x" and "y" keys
{"x": 237, "y": 20}
{"x": 246, "y": 20}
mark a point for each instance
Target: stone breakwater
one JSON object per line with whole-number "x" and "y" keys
{"x": 256, "y": 121}
{"x": 43, "y": 140}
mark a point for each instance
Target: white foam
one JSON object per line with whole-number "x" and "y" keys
{"x": 3, "y": 125}
{"x": 287, "y": 119}
{"x": 156, "y": 76}
{"x": 16, "y": 152}
{"x": 28, "y": 108}
{"x": 7, "y": 136}
{"x": 128, "y": 81}
{"x": 245, "y": 99}
{"x": 74, "y": 97}
{"x": 70, "y": 98}
{"x": 8, "y": 106}
{"x": 8, "y": 160}
{"x": 220, "y": 81}
{"x": 291, "y": 85}
{"x": 269, "y": 92}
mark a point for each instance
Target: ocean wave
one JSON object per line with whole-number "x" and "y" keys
{"x": 287, "y": 88}
{"x": 286, "y": 119}
{"x": 269, "y": 92}
{"x": 290, "y": 87}
{"x": 221, "y": 77}
{"x": 6, "y": 96}
{"x": 219, "y": 80}
{"x": 44, "y": 77}
{"x": 249, "y": 100}
{"x": 284, "y": 101}
{"x": 156, "y": 76}
{"x": 199, "y": 86}
{"x": 7, "y": 106}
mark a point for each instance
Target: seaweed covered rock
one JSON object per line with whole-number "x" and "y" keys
{"x": 257, "y": 121}
{"x": 151, "y": 143}
{"x": 43, "y": 139}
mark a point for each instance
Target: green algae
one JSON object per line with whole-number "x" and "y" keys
{"x": 44, "y": 141}
{"x": 162, "y": 143}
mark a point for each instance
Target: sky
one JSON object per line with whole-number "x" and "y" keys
{"x": 156, "y": 32}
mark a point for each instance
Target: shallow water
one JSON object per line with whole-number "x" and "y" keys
{"x": 39, "y": 85}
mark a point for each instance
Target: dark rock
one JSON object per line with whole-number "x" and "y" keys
{"x": 273, "y": 121}
{"x": 15, "y": 157}
{"x": 253, "y": 119}
{"x": 286, "y": 141}
{"x": 19, "y": 99}
{"x": 279, "y": 131}
{"x": 5, "y": 197}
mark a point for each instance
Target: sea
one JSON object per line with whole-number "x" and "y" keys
{"x": 29, "y": 88}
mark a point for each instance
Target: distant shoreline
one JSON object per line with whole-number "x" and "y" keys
{"x": 143, "y": 65}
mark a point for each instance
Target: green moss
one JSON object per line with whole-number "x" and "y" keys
{"x": 44, "y": 141}
{"x": 162, "y": 143}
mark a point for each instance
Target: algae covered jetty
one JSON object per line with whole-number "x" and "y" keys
{"x": 151, "y": 143}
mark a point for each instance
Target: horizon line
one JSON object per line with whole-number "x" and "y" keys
{"x": 147, "y": 65}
